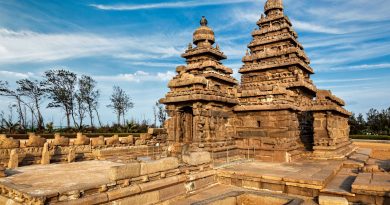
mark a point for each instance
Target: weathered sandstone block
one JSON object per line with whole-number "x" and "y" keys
{"x": 45, "y": 154}
{"x": 197, "y": 158}
{"x": 113, "y": 140}
{"x": 97, "y": 141}
{"x": 127, "y": 140}
{"x": 71, "y": 155}
{"x": 157, "y": 131}
{"x": 2, "y": 171}
{"x": 81, "y": 139}
{"x": 35, "y": 140}
{"x": 330, "y": 200}
{"x": 140, "y": 142}
{"x": 13, "y": 159}
{"x": 60, "y": 140}
{"x": 159, "y": 165}
{"x": 8, "y": 143}
{"x": 126, "y": 171}
{"x": 145, "y": 136}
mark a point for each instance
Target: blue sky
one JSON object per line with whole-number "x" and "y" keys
{"x": 137, "y": 44}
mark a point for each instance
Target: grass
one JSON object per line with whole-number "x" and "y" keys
{"x": 70, "y": 135}
{"x": 370, "y": 137}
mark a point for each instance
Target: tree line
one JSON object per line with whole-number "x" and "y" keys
{"x": 77, "y": 97}
{"x": 377, "y": 122}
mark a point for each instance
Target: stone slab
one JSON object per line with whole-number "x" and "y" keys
{"x": 314, "y": 173}
{"x": 197, "y": 158}
{"x": 44, "y": 180}
{"x": 330, "y": 200}
{"x": 341, "y": 184}
{"x": 374, "y": 183}
{"x": 126, "y": 171}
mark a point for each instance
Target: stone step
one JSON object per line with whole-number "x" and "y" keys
{"x": 341, "y": 183}
{"x": 358, "y": 159}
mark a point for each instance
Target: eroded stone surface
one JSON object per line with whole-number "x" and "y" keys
{"x": 329, "y": 200}
{"x": 44, "y": 180}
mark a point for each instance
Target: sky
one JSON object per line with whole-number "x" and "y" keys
{"x": 137, "y": 44}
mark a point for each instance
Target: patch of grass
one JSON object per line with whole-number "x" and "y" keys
{"x": 370, "y": 137}
{"x": 73, "y": 135}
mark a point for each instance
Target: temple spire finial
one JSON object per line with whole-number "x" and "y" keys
{"x": 273, "y": 4}
{"x": 203, "y": 21}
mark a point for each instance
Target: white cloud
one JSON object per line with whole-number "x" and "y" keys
{"x": 14, "y": 75}
{"x": 27, "y": 46}
{"x": 356, "y": 10}
{"x": 139, "y": 76}
{"x": 241, "y": 15}
{"x": 312, "y": 27}
{"x": 346, "y": 80}
{"x": 356, "y": 67}
{"x": 178, "y": 4}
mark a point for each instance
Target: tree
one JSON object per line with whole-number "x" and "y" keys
{"x": 35, "y": 91}
{"x": 89, "y": 95}
{"x": 155, "y": 115}
{"x": 60, "y": 85}
{"x": 81, "y": 108}
{"x": 161, "y": 114}
{"x": 120, "y": 103}
{"x": 361, "y": 124}
{"x": 353, "y": 124}
{"x": 6, "y": 91}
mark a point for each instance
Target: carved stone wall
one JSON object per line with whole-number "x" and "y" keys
{"x": 276, "y": 111}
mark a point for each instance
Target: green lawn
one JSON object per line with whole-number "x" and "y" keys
{"x": 73, "y": 135}
{"x": 371, "y": 137}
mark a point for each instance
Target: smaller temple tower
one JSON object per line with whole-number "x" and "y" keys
{"x": 202, "y": 96}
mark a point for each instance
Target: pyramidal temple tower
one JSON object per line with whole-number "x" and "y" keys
{"x": 275, "y": 114}
{"x": 202, "y": 95}
{"x": 281, "y": 113}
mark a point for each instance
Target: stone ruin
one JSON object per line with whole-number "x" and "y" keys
{"x": 276, "y": 111}
{"x": 271, "y": 139}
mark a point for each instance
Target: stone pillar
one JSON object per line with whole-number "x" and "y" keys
{"x": 188, "y": 128}
{"x": 71, "y": 155}
{"x": 178, "y": 127}
{"x": 45, "y": 154}
{"x": 13, "y": 159}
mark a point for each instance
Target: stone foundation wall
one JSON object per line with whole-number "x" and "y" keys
{"x": 273, "y": 135}
{"x": 331, "y": 135}
{"x": 30, "y": 151}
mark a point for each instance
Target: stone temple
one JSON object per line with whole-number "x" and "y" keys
{"x": 275, "y": 111}
{"x": 271, "y": 139}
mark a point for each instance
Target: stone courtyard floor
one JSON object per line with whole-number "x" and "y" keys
{"x": 305, "y": 179}
{"x": 45, "y": 180}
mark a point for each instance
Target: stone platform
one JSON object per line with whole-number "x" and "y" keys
{"x": 305, "y": 178}
{"x": 50, "y": 180}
